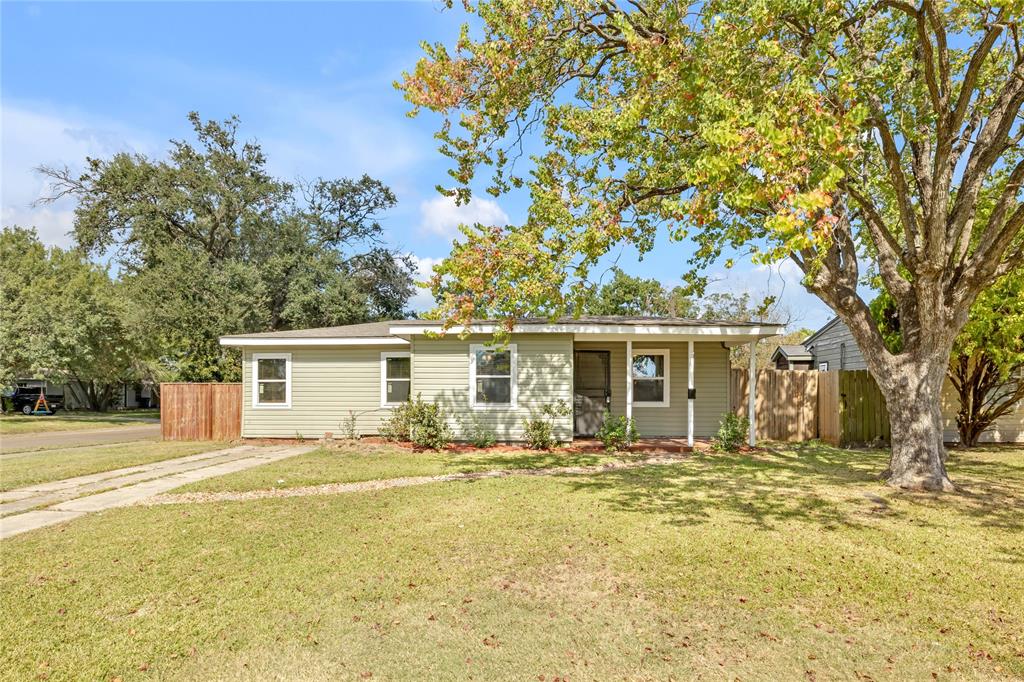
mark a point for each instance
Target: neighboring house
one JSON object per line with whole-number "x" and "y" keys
{"x": 790, "y": 356}
{"x": 833, "y": 347}
{"x": 675, "y": 383}
{"x": 128, "y": 396}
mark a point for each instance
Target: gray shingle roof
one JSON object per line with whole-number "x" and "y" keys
{"x": 382, "y": 328}
{"x": 793, "y": 352}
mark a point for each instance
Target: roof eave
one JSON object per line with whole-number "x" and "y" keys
{"x": 243, "y": 341}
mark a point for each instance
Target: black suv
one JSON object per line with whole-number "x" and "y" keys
{"x": 24, "y": 400}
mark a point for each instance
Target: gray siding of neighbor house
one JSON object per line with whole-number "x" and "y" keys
{"x": 710, "y": 379}
{"x": 827, "y": 347}
{"x": 440, "y": 370}
{"x": 326, "y": 384}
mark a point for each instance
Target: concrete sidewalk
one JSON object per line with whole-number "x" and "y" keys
{"x": 73, "y": 497}
{"x": 49, "y": 440}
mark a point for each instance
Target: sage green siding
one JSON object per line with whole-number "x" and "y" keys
{"x": 327, "y": 383}
{"x": 710, "y": 378}
{"x": 440, "y": 370}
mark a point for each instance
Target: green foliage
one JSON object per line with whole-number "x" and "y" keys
{"x": 429, "y": 426}
{"x": 732, "y": 433}
{"x": 398, "y": 426}
{"x": 63, "y": 319}
{"x": 627, "y": 295}
{"x": 617, "y": 432}
{"x": 208, "y": 243}
{"x": 424, "y": 424}
{"x": 349, "y": 428}
{"x": 476, "y": 432}
{"x": 539, "y": 429}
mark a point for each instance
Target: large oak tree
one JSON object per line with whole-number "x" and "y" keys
{"x": 876, "y": 138}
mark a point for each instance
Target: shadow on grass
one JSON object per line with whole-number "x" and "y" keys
{"x": 525, "y": 459}
{"x": 810, "y": 483}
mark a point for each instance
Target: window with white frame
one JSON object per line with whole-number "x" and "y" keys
{"x": 272, "y": 380}
{"x": 395, "y": 378}
{"x": 492, "y": 376}
{"x": 650, "y": 377}
{"x": 822, "y": 366}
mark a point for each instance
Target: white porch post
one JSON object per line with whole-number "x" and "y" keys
{"x": 629, "y": 379}
{"x": 751, "y": 391}
{"x": 689, "y": 393}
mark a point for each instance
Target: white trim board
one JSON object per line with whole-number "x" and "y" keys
{"x": 587, "y": 330}
{"x": 307, "y": 341}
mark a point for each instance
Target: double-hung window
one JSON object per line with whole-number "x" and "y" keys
{"x": 492, "y": 376}
{"x": 650, "y": 377}
{"x": 395, "y": 378}
{"x": 272, "y": 380}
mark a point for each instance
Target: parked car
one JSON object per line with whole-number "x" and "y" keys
{"x": 24, "y": 400}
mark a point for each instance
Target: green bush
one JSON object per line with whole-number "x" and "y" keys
{"x": 476, "y": 432}
{"x": 399, "y": 424}
{"x": 539, "y": 430}
{"x": 732, "y": 432}
{"x": 429, "y": 427}
{"x": 617, "y": 432}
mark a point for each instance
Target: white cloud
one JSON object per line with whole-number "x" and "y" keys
{"x": 442, "y": 216}
{"x": 422, "y": 300}
{"x": 30, "y": 137}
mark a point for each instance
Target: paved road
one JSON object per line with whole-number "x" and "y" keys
{"x": 73, "y": 497}
{"x": 49, "y": 440}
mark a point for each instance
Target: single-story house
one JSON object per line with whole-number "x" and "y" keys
{"x": 128, "y": 395}
{"x": 670, "y": 375}
{"x": 791, "y": 356}
{"x": 833, "y": 347}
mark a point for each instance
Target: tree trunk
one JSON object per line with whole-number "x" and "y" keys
{"x": 913, "y": 393}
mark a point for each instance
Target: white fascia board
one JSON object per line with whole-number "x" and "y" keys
{"x": 586, "y": 330}
{"x": 307, "y": 341}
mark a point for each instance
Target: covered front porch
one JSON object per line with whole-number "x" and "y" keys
{"x": 675, "y": 390}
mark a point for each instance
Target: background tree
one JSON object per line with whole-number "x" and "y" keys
{"x": 986, "y": 367}
{"x": 207, "y": 243}
{"x": 831, "y": 134}
{"x": 63, "y": 320}
{"x": 628, "y": 295}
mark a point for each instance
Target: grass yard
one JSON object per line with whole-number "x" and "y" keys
{"x": 20, "y": 469}
{"x": 365, "y": 462}
{"x": 788, "y": 565}
{"x": 13, "y": 424}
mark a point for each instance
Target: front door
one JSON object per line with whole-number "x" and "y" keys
{"x": 591, "y": 390}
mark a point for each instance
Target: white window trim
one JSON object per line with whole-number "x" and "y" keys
{"x": 287, "y": 357}
{"x": 513, "y": 369}
{"x": 823, "y": 366}
{"x": 668, "y": 373}
{"x": 384, "y": 376}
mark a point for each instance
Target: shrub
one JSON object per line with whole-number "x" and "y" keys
{"x": 539, "y": 430}
{"x": 349, "y": 430}
{"x": 617, "y": 432}
{"x": 732, "y": 432}
{"x": 476, "y": 432}
{"x": 398, "y": 425}
{"x": 429, "y": 425}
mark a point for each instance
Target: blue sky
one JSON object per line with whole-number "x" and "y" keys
{"x": 311, "y": 81}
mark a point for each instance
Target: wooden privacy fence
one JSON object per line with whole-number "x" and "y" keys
{"x": 841, "y": 407}
{"x": 200, "y": 411}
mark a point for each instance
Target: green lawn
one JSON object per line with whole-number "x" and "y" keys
{"x": 25, "y": 468}
{"x": 797, "y": 565}
{"x": 365, "y": 462}
{"x": 12, "y": 424}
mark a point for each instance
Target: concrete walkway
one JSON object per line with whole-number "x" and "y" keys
{"x": 53, "y": 502}
{"x": 49, "y": 440}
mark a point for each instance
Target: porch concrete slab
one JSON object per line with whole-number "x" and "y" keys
{"x": 129, "y": 490}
